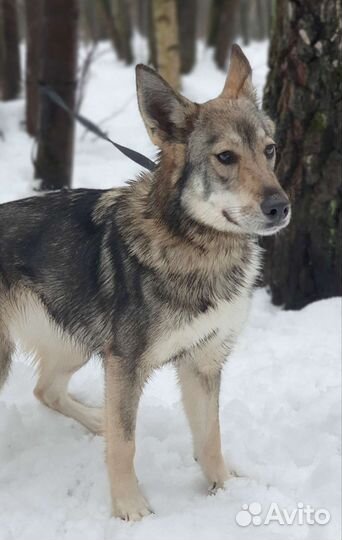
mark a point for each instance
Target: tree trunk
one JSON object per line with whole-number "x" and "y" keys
{"x": 222, "y": 29}
{"x": 244, "y": 21}
{"x": 187, "y": 17}
{"x": 121, "y": 10}
{"x": 267, "y": 13}
{"x": 56, "y": 130}
{"x": 112, "y": 27}
{"x": 260, "y": 20}
{"x": 303, "y": 94}
{"x": 167, "y": 40}
{"x": 90, "y": 13}
{"x": 33, "y": 13}
{"x": 214, "y": 16}
{"x": 10, "y": 58}
{"x": 203, "y": 7}
{"x": 151, "y": 35}
{"x": 141, "y": 14}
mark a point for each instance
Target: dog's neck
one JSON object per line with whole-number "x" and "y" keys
{"x": 160, "y": 234}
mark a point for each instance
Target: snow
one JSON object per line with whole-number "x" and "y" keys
{"x": 280, "y": 397}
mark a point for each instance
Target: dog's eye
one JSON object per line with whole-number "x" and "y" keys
{"x": 270, "y": 151}
{"x": 227, "y": 158}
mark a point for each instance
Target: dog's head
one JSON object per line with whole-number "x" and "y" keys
{"x": 224, "y": 149}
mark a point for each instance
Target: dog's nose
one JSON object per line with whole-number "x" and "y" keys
{"x": 276, "y": 207}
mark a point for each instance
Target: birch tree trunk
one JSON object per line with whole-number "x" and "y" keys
{"x": 303, "y": 95}
{"x": 167, "y": 40}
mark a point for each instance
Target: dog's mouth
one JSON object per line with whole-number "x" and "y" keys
{"x": 229, "y": 218}
{"x": 270, "y": 229}
{"x": 258, "y": 227}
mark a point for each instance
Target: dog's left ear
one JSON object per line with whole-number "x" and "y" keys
{"x": 167, "y": 115}
{"x": 239, "y": 78}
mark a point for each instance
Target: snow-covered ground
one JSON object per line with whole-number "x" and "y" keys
{"x": 280, "y": 399}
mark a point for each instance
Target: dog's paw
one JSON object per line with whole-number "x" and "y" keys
{"x": 222, "y": 482}
{"x": 213, "y": 489}
{"x": 214, "y": 469}
{"x": 131, "y": 508}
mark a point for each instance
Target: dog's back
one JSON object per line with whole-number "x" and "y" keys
{"x": 40, "y": 234}
{"x": 49, "y": 251}
{"x": 51, "y": 245}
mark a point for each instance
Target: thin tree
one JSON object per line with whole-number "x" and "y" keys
{"x": 166, "y": 34}
{"x": 122, "y": 12}
{"x": 303, "y": 95}
{"x": 259, "y": 19}
{"x": 222, "y": 29}
{"x": 56, "y": 130}
{"x": 93, "y": 21}
{"x": 88, "y": 21}
{"x": 9, "y": 50}
{"x": 214, "y": 14}
{"x": 117, "y": 17}
{"x": 112, "y": 27}
{"x": 151, "y": 35}
{"x": 140, "y": 10}
{"x": 203, "y": 7}
{"x": 187, "y": 17}
{"x": 244, "y": 20}
{"x": 33, "y": 17}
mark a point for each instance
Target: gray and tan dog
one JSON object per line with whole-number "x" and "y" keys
{"x": 158, "y": 271}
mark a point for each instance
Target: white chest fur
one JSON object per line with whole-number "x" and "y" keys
{"x": 218, "y": 324}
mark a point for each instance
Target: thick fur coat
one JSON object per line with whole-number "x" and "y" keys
{"x": 158, "y": 271}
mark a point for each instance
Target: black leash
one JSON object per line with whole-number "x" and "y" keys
{"x": 140, "y": 159}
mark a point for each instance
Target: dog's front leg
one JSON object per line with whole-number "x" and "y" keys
{"x": 200, "y": 394}
{"x": 122, "y": 394}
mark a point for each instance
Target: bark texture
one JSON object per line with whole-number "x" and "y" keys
{"x": 33, "y": 16}
{"x": 303, "y": 95}
{"x": 56, "y": 130}
{"x": 9, "y": 50}
{"x": 166, "y": 36}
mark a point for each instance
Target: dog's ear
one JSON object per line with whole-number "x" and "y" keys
{"x": 239, "y": 78}
{"x": 167, "y": 115}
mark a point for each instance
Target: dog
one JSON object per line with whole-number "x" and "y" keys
{"x": 158, "y": 271}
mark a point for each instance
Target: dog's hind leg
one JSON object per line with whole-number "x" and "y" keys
{"x": 57, "y": 357}
{"x": 56, "y": 366}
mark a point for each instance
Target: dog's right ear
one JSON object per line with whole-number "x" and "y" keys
{"x": 166, "y": 114}
{"x": 239, "y": 79}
